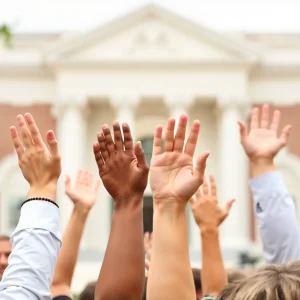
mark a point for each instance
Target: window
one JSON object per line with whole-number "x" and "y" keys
{"x": 148, "y": 213}
{"x": 147, "y": 144}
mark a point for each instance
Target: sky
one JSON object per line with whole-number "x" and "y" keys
{"x": 267, "y": 16}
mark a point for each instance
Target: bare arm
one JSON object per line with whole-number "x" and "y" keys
{"x": 83, "y": 195}
{"x": 208, "y": 216}
{"x": 173, "y": 181}
{"x": 124, "y": 174}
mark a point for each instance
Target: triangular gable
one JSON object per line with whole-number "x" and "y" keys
{"x": 152, "y": 33}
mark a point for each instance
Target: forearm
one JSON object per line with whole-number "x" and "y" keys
{"x": 68, "y": 254}
{"x": 123, "y": 269}
{"x": 276, "y": 217}
{"x": 213, "y": 275}
{"x": 170, "y": 275}
{"x": 36, "y": 242}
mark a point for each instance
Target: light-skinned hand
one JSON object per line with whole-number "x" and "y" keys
{"x": 263, "y": 142}
{"x": 39, "y": 162}
{"x": 173, "y": 178}
{"x": 122, "y": 166}
{"x": 205, "y": 206}
{"x": 84, "y": 192}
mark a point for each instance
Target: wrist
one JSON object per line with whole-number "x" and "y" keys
{"x": 134, "y": 201}
{"x": 210, "y": 230}
{"x": 261, "y": 166}
{"x": 168, "y": 206}
{"x": 81, "y": 209}
{"x": 46, "y": 191}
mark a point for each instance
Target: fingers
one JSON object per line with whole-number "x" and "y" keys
{"x": 254, "y": 119}
{"x": 52, "y": 143}
{"x": 275, "y": 121}
{"x": 17, "y": 142}
{"x": 192, "y": 139}
{"x": 180, "y": 134}
{"x": 118, "y": 136}
{"x": 264, "y": 122}
{"x": 102, "y": 147}
{"x": 285, "y": 133}
{"x": 200, "y": 167}
{"x": 98, "y": 156}
{"x": 243, "y": 131}
{"x": 140, "y": 155}
{"x": 205, "y": 188}
{"x": 213, "y": 186}
{"x": 128, "y": 142}
{"x": 34, "y": 131}
{"x": 147, "y": 264}
{"x": 25, "y": 134}
{"x": 157, "y": 140}
{"x": 169, "y": 137}
{"x": 110, "y": 146}
{"x": 198, "y": 193}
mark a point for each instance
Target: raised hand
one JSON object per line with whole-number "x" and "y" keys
{"x": 122, "y": 167}
{"x": 263, "y": 141}
{"x": 39, "y": 163}
{"x": 85, "y": 190}
{"x": 205, "y": 206}
{"x": 148, "y": 244}
{"x": 172, "y": 175}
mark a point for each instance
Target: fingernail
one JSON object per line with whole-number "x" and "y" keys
{"x": 51, "y": 134}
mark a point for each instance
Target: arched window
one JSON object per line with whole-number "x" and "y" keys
{"x": 147, "y": 144}
{"x": 148, "y": 200}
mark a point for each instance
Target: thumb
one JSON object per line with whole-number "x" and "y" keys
{"x": 285, "y": 134}
{"x": 200, "y": 167}
{"x": 140, "y": 155}
{"x": 52, "y": 143}
{"x": 67, "y": 183}
{"x": 243, "y": 131}
{"x": 228, "y": 206}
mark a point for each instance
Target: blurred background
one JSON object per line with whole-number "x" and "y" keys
{"x": 76, "y": 65}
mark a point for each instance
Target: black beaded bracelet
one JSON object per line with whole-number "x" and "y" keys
{"x": 40, "y": 199}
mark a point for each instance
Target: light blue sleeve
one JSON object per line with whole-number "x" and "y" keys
{"x": 35, "y": 245}
{"x": 276, "y": 217}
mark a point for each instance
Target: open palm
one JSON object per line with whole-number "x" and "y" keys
{"x": 172, "y": 176}
{"x": 262, "y": 141}
{"x": 85, "y": 190}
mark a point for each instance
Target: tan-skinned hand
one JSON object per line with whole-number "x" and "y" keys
{"x": 122, "y": 166}
{"x": 173, "y": 178}
{"x": 205, "y": 206}
{"x": 39, "y": 162}
{"x": 84, "y": 192}
{"x": 263, "y": 142}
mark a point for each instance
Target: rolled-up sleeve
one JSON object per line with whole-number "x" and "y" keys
{"x": 276, "y": 217}
{"x": 35, "y": 246}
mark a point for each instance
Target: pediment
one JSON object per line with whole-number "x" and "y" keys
{"x": 152, "y": 34}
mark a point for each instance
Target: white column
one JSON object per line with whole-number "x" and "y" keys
{"x": 233, "y": 177}
{"x": 71, "y": 130}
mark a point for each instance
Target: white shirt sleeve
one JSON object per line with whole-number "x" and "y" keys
{"x": 276, "y": 217}
{"x": 35, "y": 246}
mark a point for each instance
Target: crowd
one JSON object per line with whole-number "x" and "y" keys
{"x": 39, "y": 263}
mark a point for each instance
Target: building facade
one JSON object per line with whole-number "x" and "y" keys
{"x": 143, "y": 68}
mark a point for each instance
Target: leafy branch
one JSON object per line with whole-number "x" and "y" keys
{"x": 6, "y": 34}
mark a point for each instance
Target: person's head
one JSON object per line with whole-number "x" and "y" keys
{"x": 197, "y": 282}
{"x": 235, "y": 275}
{"x": 89, "y": 292}
{"x": 5, "y": 249}
{"x": 274, "y": 282}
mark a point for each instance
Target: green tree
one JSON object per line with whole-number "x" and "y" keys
{"x": 5, "y": 33}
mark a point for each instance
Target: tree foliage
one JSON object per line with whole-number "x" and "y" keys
{"x": 5, "y": 33}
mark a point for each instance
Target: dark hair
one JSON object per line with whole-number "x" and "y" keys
{"x": 4, "y": 238}
{"x": 197, "y": 279}
{"x": 89, "y": 292}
